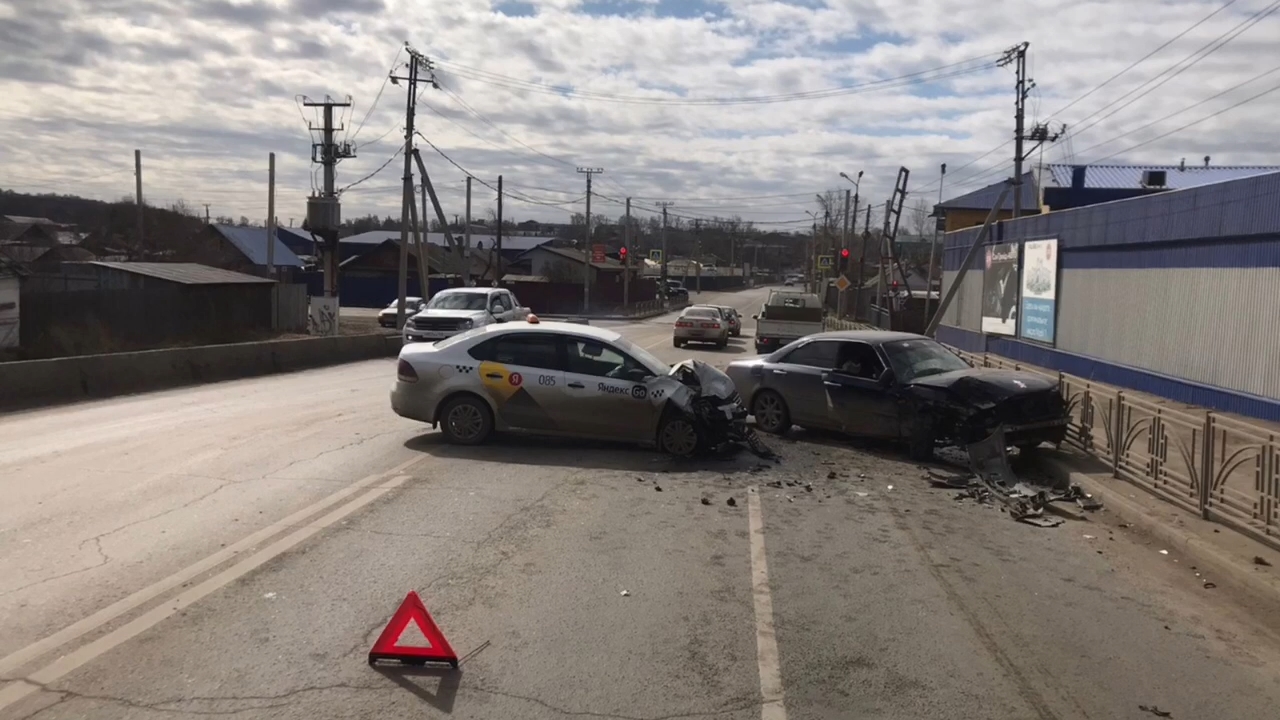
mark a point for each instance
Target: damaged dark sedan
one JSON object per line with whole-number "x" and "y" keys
{"x": 897, "y": 386}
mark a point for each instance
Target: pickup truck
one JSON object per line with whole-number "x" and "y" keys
{"x": 460, "y": 309}
{"x": 786, "y": 316}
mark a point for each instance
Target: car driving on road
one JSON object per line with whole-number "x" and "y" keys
{"x": 387, "y": 316}
{"x": 732, "y": 317}
{"x": 897, "y": 386}
{"x": 563, "y": 379}
{"x": 457, "y": 310}
{"x": 700, "y": 323}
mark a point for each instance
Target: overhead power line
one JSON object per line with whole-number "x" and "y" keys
{"x": 1142, "y": 59}
{"x": 1215, "y": 96}
{"x": 385, "y": 79}
{"x": 1193, "y": 123}
{"x": 381, "y": 167}
{"x": 942, "y": 72}
{"x": 506, "y": 193}
{"x": 1176, "y": 69}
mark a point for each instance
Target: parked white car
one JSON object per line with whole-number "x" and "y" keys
{"x": 460, "y": 309}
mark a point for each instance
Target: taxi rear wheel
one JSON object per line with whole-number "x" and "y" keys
{"x": 677, "y": 435}
{"x": 466, "y": 421}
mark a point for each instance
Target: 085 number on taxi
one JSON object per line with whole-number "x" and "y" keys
{"x": 548, "y": 380}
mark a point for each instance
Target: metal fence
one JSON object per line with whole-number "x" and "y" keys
{"x": 1224, "y": 469}
{"x": 289, "y": 308}
{"x": 834, "y": 323}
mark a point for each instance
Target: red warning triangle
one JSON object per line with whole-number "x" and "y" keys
{"x": 412, "y": 611}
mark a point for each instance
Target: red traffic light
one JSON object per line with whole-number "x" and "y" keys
{"x": 844, "y": 253}
{"x": 622, "y": 252}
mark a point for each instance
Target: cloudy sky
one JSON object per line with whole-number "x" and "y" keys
{"x": 745, "y": 107}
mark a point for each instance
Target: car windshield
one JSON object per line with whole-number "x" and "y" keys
{"x": 912, "y": 359}
{"x": 701, "y": 312}
{"x": 458, "y": 301}
{"x": 644, "y": 357}
{"x": 409, "y": 302}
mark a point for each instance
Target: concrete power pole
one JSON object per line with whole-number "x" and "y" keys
{"x": 466, "y": 256}
{"x": 324, "y": 211}
{"x": 664, "y": 206}
{"x": 206, "y": 215}
{"x": 586, "y": 245}
{"x": 137, "y": 173}
{"x": 271, "y": 215}
{"x": 1017, "y": 56}
{"x": 626, "y": 265}
{"x": 933, "y": 246}
{"x": 497, "y": 275}
{"x": 417, "y": 63}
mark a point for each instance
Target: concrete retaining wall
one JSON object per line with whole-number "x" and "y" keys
{"x": 32, "y": 383}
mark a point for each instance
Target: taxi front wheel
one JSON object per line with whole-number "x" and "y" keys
{"x": 466, "y": 421}
{"x": 677, "y": 435}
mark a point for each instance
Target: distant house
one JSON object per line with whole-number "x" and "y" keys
{"x": 244, "y": 249}
{"x": 35, "y": 257}
{"x": 512, "y": 246}
{"x": 10, "y": 297}
{"x": 564, "y": 265}
{"x": 972, "y": 208}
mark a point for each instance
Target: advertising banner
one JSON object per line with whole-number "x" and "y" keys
{"x": 1039, "y": 291}
{"x": 1000, "y": 290}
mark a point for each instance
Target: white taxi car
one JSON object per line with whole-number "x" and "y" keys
{"x": 558, "y": 379}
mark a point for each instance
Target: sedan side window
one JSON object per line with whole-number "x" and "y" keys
{"x": 588, "y": 357}
{"x": 819, "y": 354}
{"x": 537, "y": 351}
{"x": 505, "y": 301}
{"x": 859, "y": 360}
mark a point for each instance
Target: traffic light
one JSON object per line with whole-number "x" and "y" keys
{"x": 844, "y": 253}
{"x": 622, "y": 253}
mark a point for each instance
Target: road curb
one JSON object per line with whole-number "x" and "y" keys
{"x": 1215, "y": 560}
{"x": 41, "y": 383}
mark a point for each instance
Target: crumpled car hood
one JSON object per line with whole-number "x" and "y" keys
{"x": 986, "y": 386}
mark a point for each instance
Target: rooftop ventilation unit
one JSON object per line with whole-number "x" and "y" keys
{"x": 1154, "y": 178}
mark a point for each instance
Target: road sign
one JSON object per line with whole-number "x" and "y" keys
{"x": 655, "y": 255}
{"x": 597, "y": 253}
{"x": 824, "y": 262}
{"x": 388, "y": 646}
{"x": 842, "y": 283}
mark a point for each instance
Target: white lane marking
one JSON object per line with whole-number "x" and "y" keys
{"x": 772, "y": 706}
{"x": 70, "y": 662}
{"x": 124, "y": 605}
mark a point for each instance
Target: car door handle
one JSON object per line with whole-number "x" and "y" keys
{"x": 779, "y": 372}
{"x": 577, "y": 385}
{"x": 493, "y": 376}
{"x": 828, "y": 383}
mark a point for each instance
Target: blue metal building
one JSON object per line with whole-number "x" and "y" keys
{"x": 1173, "y": 294}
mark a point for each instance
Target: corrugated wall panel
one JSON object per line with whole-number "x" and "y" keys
{"x": 966, "y": 309}
{"x": 1183, "y": 322}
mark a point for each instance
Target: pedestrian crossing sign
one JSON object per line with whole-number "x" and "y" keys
{"x": 655, "y": 255}
{"x": 824, "y": 262}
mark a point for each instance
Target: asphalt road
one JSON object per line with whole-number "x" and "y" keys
{"x": 234, "y": 550}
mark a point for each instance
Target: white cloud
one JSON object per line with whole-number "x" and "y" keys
{"x": 207, "y": 88}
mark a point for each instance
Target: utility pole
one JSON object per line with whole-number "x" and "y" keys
{"x": 137, "y": 173}
{"x": 697, "y": 254}
{"x": 424, "y": 245}
{"x": 324, "y": 212}
{"x": 466, "y": 262}
{"x": 862, "y": 257}
{"x": 271, "y": 215}
{"x": 626, "y": 264}
{"x": 664, "y": 205}
{"x": 417, "y": 63}
{"x": 933, "y": 247}
{"x": 206, "y": 215}
{"x": 1017, "y": 56}
{"x": 586, "y": 244}
{"x": 497, "y": 276}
